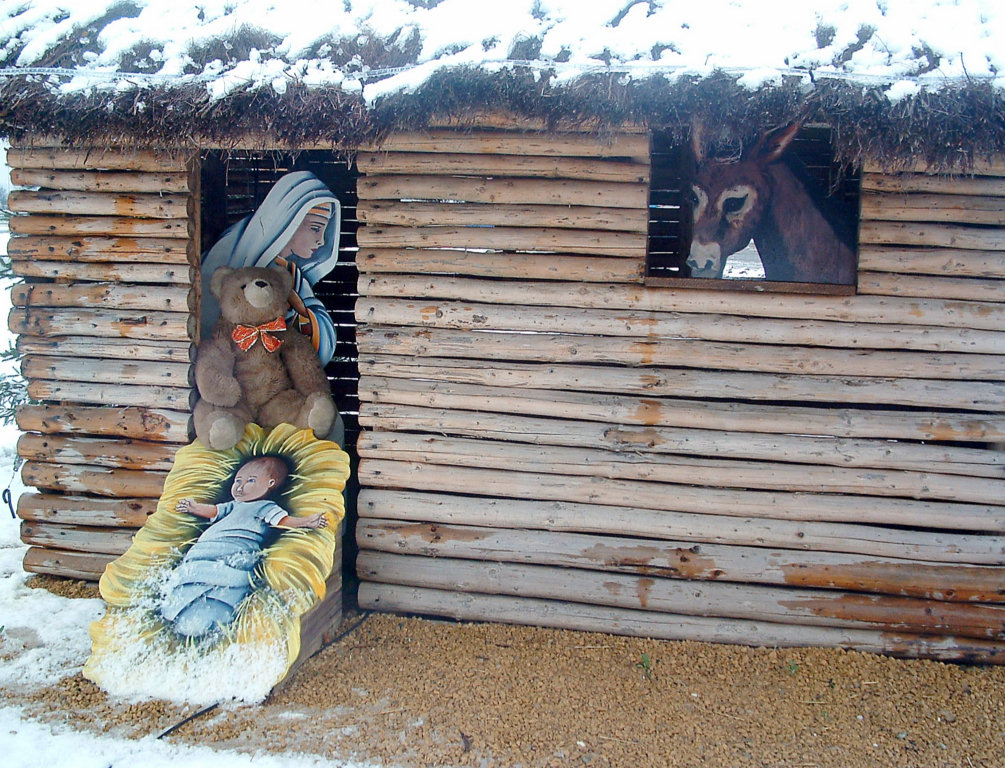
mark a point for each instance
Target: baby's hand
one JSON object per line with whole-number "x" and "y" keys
{"x": 317, "y": 520}
{"x": 185, "y": 505}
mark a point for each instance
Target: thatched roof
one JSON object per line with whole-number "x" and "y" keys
{"x": 896, "y": 78}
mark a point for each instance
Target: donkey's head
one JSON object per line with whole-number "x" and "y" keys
{"x": 729, "y": 199}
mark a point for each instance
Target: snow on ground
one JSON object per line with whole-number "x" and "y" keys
{"x": 48, "y": 636}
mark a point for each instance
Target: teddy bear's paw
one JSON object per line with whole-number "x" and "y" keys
{"x": 225, "y": 430}
{"x": 320, "y": 413}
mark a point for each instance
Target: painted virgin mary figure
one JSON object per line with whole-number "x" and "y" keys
{"x": 297, "y": 227}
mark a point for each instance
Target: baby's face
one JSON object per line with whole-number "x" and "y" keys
{"x": 253, "y": 481}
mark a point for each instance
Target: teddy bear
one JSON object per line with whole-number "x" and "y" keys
{"x": 252, "y": 369}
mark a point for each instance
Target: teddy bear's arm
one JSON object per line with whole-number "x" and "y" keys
{"x": 303, "y": 366}
{"x": 214, "y": 373}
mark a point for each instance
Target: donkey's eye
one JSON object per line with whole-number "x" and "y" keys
{"x": 733, "y": 204}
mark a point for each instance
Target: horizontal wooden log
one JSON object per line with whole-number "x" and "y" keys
{"x": 987, "y": 186}
{"x": 979, "y": 166}
{"x": 545, "y": 144}
{"x": 53, "y": 202}
{"x": 690, "y": 598}
{"x": 98, "y": 249}
{"x": 416, "y": 163}
{"x": 528, "y": 266}
{"x": 503, "y": 191}
{"x": 138, "y": 422}
{"x": 115, "y": 349}
{"x": 798, "y": 449}
{"x": 850, "y": 309}
{"x": 681, "y": 382}
{"x": 927, "y": 287}
{"x": 577, "y": 616}
{"x": 945, "y": 262}
{"x": 177, "y": 274}
{"x": 686, "y": 353}
{"x": 416, "y": 214}
{"x": 168, "y": 326}
{"x": 99, "y": 225}
{"x": 109, "y": 371}
{"x": 112, "y": 296}
{"x": 951, "y": 209}
{"x": 77, "y": 538}
{"x": 635, "y": 324}
{"x": 696, "y": 414}
{"x": 83, "y": 510}
{"x": 98, "y": 158}
{"x": 722, "y": 473}
{"x": 101, "y": 181}
{"x": 97, "y": 393}
{"x": 773, "y": 505}
{"x": 931, "y": 235}
{"x": 98, "y": 481}
{"x": 70, "y": 565}
{"x": 511, "y": 238}
{"x": 683, "y": 560}
{"x": 117, "y": 454}
{"x": 625, "y": 519}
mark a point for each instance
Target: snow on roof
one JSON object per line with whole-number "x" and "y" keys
{"x": 382, "y": 47}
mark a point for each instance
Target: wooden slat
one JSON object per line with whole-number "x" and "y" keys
{"x": 681, "y": 382}
{"x": 688, "y": 353}
{"x": 862, "y": 309}
{"x": 529, "y": 266}
{"x": 625, "y": 519}
{"x": 684, "y": 560}
{"x": 96, "y": 393}
{"x": 927, "y": 287}
{"x": 982, "y": 166}
{"x": 634, "y": 324}
{"x": 151, "y": 206}
{"x": 546, "y": 144}
{"x": 695, "y": 414}
{"x": 939, "y": 235}
{"x": 415, "y": 214}
{"x": 99, "y": 481}
{"x": 801, "y": 607}
{"x": 117, "y": 454}
{"x": 98, "y": 225}
{"x": 77, "y": 538}
{"x": 411, "y": 164}
{"x": 170, "y": 326}
{"x": 102, "y": 181}
{"x": 563, "y": 615}
{"x": 722, "y": 473}
{"x": 115, "y": 349}
{"x": 600, "y": 243}
{"x": 775, "y": 505}
{"x": 98, "y": 249}
{"x": 947, "y": 262}
{"x": 503, "y": 191}
{"x": 50, "y": 158}
{"x": 953, "y": 209}
{"x": 71, "y": 565}
{"x": 109, "y": 295}
{"x": 139, "y": 422}
{"x": 83, "y": 510}
{"x": 109, "y": 371}
{"x": 988, "y": 186}
{"x": 116, "y": 272}
{"x": 799, "y": 449}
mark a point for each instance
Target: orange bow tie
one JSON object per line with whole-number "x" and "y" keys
{"x": 246, "y": 335}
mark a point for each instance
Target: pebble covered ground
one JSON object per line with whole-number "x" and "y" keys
{"x": 414, "y": 692}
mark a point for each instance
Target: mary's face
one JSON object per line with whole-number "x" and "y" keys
{"x": 310, "y": 236}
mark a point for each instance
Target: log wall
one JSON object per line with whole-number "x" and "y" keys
{"x": 549, "y": 440}
{"x": 106, "y": 323}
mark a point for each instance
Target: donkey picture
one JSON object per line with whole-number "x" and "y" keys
{"x": 801, "y": 233}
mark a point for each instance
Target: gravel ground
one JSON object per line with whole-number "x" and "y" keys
{"x": 414, "y": 692}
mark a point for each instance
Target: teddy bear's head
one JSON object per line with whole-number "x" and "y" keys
{"x": 251, "y": 295}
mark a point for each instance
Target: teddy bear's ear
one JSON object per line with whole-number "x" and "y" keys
{"x": 287, "y": 276}
{"x": 216, "y": 280}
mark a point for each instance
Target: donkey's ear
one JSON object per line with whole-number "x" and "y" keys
{"x": 697, "y": 141}
{"x": 773, "y": 144}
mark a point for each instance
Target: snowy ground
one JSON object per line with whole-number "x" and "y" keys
{"x": 47, "y": 637}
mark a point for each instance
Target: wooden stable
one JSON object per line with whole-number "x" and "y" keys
{"x": 547, "y": 437}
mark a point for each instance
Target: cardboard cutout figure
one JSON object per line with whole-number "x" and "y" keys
{"x": 206, "y": 604}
